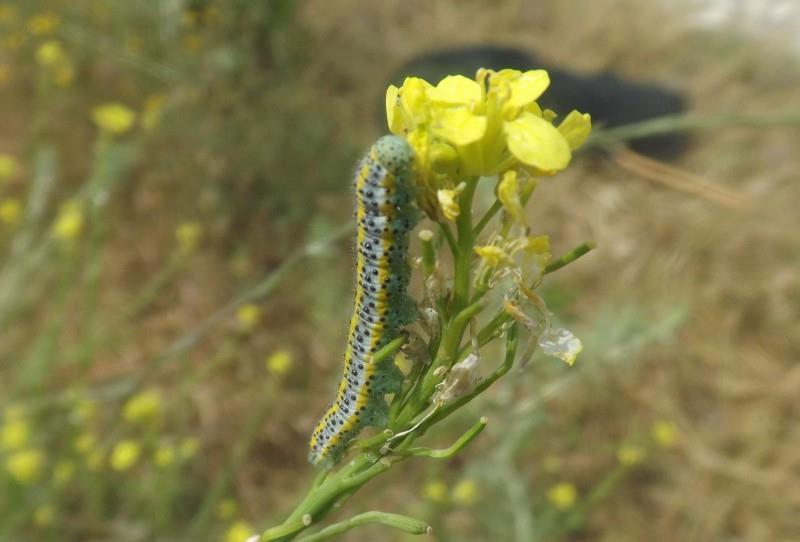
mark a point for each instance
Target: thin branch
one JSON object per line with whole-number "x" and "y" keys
{"x": 403, "y": 523}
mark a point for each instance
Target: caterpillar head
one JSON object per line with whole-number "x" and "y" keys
{"x": 394, "y": 153}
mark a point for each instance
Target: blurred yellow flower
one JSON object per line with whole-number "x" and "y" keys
{"x": 42, "y": 24}
{"x": 630, "y": 455}
{"x": 8, "y": 167}
{"x": 189, "y": 447}
{"x": 125, "y": 455}
{"x": 69, "y": 222}
{"x": 114, "y": 118}
{"x": 238, "y": 532}
{"x": 227, "y": 508}
{"x": 144, "y": 407}
{"x": 10, "y": 211}
{"x": 665, "y": 433}
{"x": 14, "y": 434}
{"x": 85, "y": 442}
{"x": 50, "y": 53}
{"x": 435, "y": 491}
{"x": 43, "y": 516}
{"x": 187, "y": 235}
{"x": 63, "y": 473}
{"x": 25, "y": 466}
{"x": 279, "y": 362}
{"x": 465, "y": 493}
{"x": 164, "y": 456}
{"x": 248, "y": 316}
{"x": 563, "y": 495}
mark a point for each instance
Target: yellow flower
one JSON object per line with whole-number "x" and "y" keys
{"x": 69, "y": 222}
{"x": 248, "y": 316}
{"x": 14, "y": 434}
{"x": 85, "y": 443}
{"x": 114, "y": 118}
{"x": 227, "y": 509}
{"x": 8, "y": 167}
{"x": 279, "y": 362}
{"x": 125, "y": 455}
{"x": 50, "y": 53}
{"x": 63, "y": 473}
{"x": 465, "y": 493}
{"x": 435, "y": 491}
{"x": 188, "y": 448}
{"x": 563, "y": 495}
{"x": 164, "y": 456}
{"x": 509, "y": 195}
{"x": 43, "y": 516}
{"x": 238, "y": 532}
{"x": 665, "y": 433}
{"x": 494, "y": 256}
{"x": 43, "y": 23}
{"x": 448, "y": 201}
{"x": 144, "y": 407}
{"x": 10, "y": 211}
{"x": 187, "y": 235}
{"x": 575, "y": 128}
{"x": 629, "y": 454}
{"x": 25, "y": 466}
{"x": 482, "y": 127}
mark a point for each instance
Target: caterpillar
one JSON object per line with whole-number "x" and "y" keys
{"x": 384, "y": 216}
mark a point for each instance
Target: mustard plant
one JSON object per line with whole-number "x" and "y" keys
{"x": 479, "y": 269}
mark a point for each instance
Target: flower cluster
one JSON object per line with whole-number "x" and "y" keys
{"x": 463, "y": 128}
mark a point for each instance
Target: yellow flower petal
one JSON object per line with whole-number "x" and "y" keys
{"x": 393, "y": 118}
{"x": 575, "y": 128}
{"x": 563, "y": 495}
{"x": 458, "y": 126}
{"x": 536, "y": 142}
{"x": 494, "y": 256}
{"x": 414, "y": 100}
{"x": 528, "y": 87}
{"x": 448, "y": 203}
{"x": 508, "y": 194}
{"x": 456, "y": 90}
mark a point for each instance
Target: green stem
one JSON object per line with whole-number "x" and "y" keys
{"x": 463, "y": 258}
{"x": 456, "y": 447}
{"x": 487, "y": 216}
{"x": 403, "y": 523}
{"x": 689, "y": 123}
{"x": 569, "y": 257}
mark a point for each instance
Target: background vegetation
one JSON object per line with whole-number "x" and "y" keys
{"x": 176, "y": 277}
